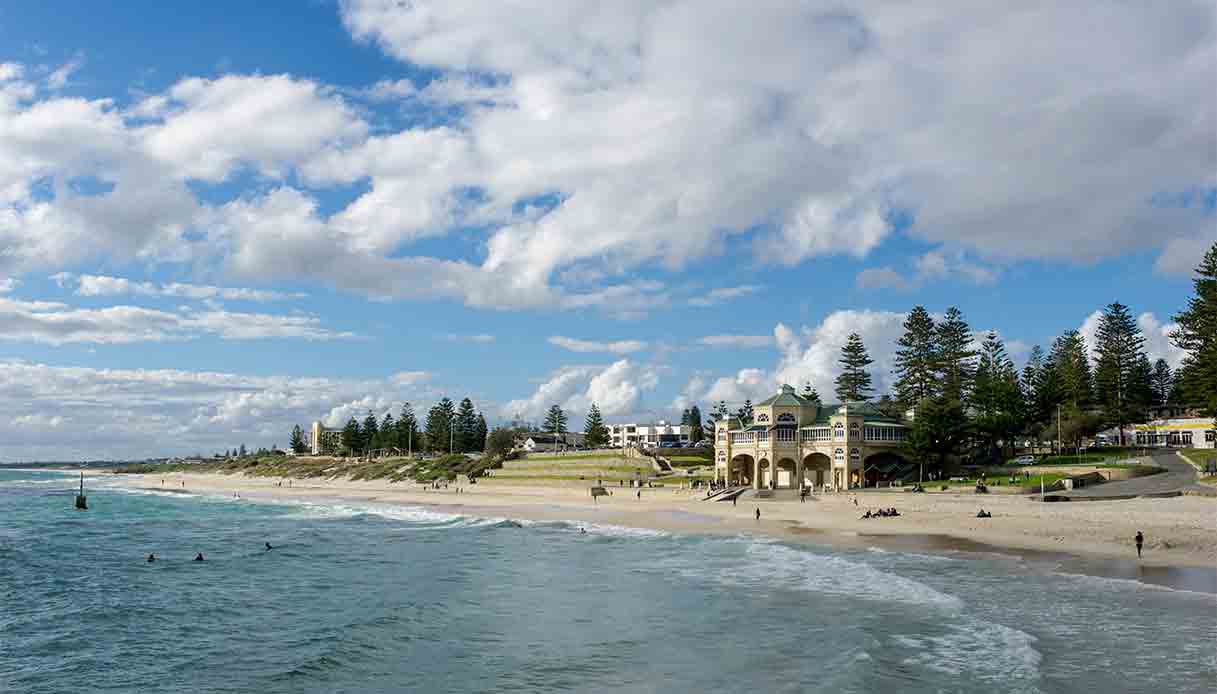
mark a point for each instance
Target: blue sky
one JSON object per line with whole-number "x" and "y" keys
{"x": 220, "y": 220}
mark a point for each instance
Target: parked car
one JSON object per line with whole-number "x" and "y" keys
{"x": 704, "y": 443}
{"x": 1024, "y": 460}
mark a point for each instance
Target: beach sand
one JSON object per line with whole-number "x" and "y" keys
{"x": 1093, "y": 537}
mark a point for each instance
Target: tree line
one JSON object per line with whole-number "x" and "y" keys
{"x": 961, "y": 394}
{"x": 448, "y": 427}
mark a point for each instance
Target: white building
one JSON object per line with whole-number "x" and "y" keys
{"x": 1182, "y": 432}
{"x": 649, "y": 435}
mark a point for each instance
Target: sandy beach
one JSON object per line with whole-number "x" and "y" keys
{"x": 1097, "y": 535}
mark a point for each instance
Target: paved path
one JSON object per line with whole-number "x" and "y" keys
{"x": 1179, "y": 475}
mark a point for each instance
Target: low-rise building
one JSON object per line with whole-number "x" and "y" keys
{"x": 1180, "y": 432}
{"x": 793, "y": 442}
{"x": 541, "y": 442}
{"x": 649, "y": 435}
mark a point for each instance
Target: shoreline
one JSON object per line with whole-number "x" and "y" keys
{"x": 1090, "y": 539}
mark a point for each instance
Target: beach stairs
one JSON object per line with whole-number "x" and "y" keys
{"x": 728, "y": 494}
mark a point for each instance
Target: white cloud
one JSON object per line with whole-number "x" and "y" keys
{"x": 882, "y": 278}
{"x": 8, "y": 284}
{"x": 614, "y": 347}
{"x": 736, "y": 341}
{"x": 58, "y": 79}
{"x": 136, "y": 412}
{"x": 720, "y": 295}
{"x": 637, "y": 135}
{"x": 103, "y": 285}
{"x": 932, "y": 266}
{"x": 56, "y": 323}
{"x": 617, "y": 389}
{"x": 481, "y": 338}
{"x": 1182, "y": 256}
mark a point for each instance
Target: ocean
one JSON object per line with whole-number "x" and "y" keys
{"x": 367, "y": 598}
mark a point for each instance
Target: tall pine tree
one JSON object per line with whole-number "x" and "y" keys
{"x": 810, "y": 393}
{"x": 371, "y": 433}
{"x": 955, "y": 356}
{"x": 297, "y": 441}
{"x": 1163, "y": 382}
{"x": 1117, "y": 375}
{"x": 596, "y": 435}
{"x": 996, "y": 400}
{"x": 388, "y": 432}
{"x": 482, "y": 432}
{"x": 555, "y": 420}
{"x": 916, "y": 362}
{"x": 854, "y": 383}
{"x": 407, "y": 429}
{"x": 350, "y": 436}
{"x": 696, "y": 432}
{"x": 746, "y": 412}
{"x": 1197, "y": 336}
{"x": 466, "y": 427}
{"x": 440, "y": 437}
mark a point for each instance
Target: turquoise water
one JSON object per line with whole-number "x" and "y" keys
{"x": 365, "y": 598}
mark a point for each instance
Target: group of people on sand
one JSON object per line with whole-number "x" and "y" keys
{"x": 983, "y": 514}
{"x": 199, "y": 556}
{"x": 881, "y": 513}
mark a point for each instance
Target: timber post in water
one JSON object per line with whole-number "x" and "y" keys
{"x": 82, "y": 503}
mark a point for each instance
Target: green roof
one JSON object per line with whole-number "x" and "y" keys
{"x": 786, "y": 396}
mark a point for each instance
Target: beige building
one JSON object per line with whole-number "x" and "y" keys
{"x": 793, "y": 442}
{"x": 322, "y": 441}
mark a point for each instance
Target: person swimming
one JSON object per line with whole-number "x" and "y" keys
{"x": 151, "y": 558}
{"x": 268, "y": 547}
{"x": 582, "y": 531}
{"x": 198, "y": 557}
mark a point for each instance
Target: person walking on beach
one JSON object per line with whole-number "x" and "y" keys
{"x": 758, "y": 512}
{"x": 1140, "y": 540}
{"x": 640, "y": 493}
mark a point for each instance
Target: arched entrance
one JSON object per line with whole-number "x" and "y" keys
{"x": 740, "y": 470}
{"x": 816, "y": 469}
{"x": 764, "y": 474}
{"x": 785, "y": 474}
{"x": 885, "y": 467}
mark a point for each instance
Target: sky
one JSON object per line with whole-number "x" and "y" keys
{"x": 218, "y": 220}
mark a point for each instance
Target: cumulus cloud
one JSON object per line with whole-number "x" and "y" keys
{"x": 8, "y": 284}
{"x": 617, "y": 389}
{"x": 613, "y": 347}
{"x": 56, "y": 323}
{"x": 621, "y": 137}
{"x": 58, "y": 412}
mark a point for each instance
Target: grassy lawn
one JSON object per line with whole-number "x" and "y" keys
{"x": 572, "y": 456}
{"x": 1032, "y": 482}
{"x": 689, "y": 460}
{"x": 1089, "y": 458}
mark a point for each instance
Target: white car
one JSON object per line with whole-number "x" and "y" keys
{"x": 1024, "y": 460}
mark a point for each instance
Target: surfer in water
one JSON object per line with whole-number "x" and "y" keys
{"x": 198, "y": 557}
{"x": 151, "y": 558}
{"x": 268, "y": 547}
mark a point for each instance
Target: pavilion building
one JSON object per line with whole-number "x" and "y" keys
{"x": 793, "y": 442}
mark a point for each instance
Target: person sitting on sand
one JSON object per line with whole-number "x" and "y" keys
{"x": 198, "y": 557}
{"x": 867, "y": 514}
{"x": 981, "y": 514}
